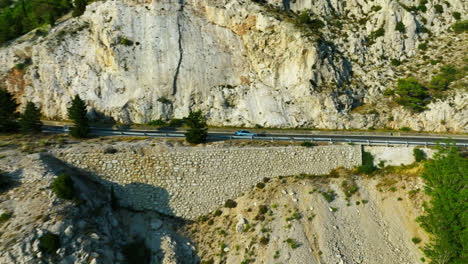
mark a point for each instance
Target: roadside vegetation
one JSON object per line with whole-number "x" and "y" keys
{"x": 77, "y": 113}
{"x": 197, "y": 132}
{"x": 446, "y": 214}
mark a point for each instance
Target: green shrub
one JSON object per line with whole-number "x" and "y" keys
{"x": 218, "y": 213}
{"x": 400, "y": 27}
{"x": 439, "y": 9}
{"x": 164, "y": 100}
{"x": 422, "y": 46}
{"x": 438, "y": 82}
{"x": 419, "y": 155}
{"x": 197, "y": 132}
{"x": 329, "y": 196}
{"x": 260, "y": 185}
{"x": 62, "y": 186}
{"x": 416, "y": 240}
{"x": 4, "y": 217}
{"x": 376, "y": 8}
{"x": 377, "y": 34}
{"x": 411, "y": 94}
{"x": 49, "y": 243}
{"x": 405, "y": 129}
{"x": 80, "y": 7}
{"x": 292, "y": 243}
{"x": 230, "y": 204}
{"x": 456, "y": 15}
{"x": 137, "y": 252}
{"x": 396, "y": 62}
{"x": 367, "y": 166}
{"x": 445, "y": 215}
{"x": 157, "y": 122}
{"x": 308, "y": 144}
{"x": 126, "y": 42}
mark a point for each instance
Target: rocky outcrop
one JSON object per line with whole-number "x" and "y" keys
{"x": 241, "y": 62}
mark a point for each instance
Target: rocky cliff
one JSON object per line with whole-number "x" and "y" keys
{"x": 242, "y": 62}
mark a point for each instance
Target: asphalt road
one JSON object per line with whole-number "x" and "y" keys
{"x": 303, "y": 136}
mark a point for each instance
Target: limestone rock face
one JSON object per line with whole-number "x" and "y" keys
{"x": 240, "y": 62}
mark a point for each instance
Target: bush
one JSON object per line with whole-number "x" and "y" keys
{"x": 367, "y": 166}
{"x": 439, "y": 83}
{"x": 411, "y": 94}
{"x": 230, "y": 204}
{"x": 8, "y": 113}
{"x": 308, "y": 144}
{"x": 125, "y": 41}
{"x": 422, "y": 46}
{"x": 4, "y": 217}
{"x": 460, "y": 26}
{"x": 416, "y": 240}
{"x": 30, "y": 120}
{"x": 456, "y": 15}
{"x": 137, "y": 252}
{"x": 405, "y": 129}
{"x": 396, "y": 62}
{"x": 158, "y": 122}
{"x": 376, "y": 34}
{"x": 62, "y": 186}
{"x": 400, "y": 27}
{"x": 49, "y": 243}
{"x": 439, "y": 9}
{"x": 260, "y": 185}
{"x": 445, "y": 215}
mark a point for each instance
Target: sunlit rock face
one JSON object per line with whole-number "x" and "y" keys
{"x": 240, "y": 62}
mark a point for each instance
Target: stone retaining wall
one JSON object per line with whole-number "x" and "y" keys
{"x": 192, "y": 181}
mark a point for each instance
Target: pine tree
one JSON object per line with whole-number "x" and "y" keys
{"x": 77, "y": 113}
{"x": 197, "y": 132}
{"x": 30, "y": 120}
{"x": 8, "y": 114}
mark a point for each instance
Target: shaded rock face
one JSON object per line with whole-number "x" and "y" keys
{"x": 238, "y": 61}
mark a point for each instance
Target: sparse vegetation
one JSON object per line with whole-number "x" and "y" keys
{"x": 329, "y": 195}
{"x": 308, "y": 144}
{"x": 416, "y": 240}
{"x": 4, "y": 217}
{"x": 411, "y": 94}
{"x": 292, "y": 243}
{"x": 62, "y": 186}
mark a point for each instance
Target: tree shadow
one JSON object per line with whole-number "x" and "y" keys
{"x": 10, "y": 180}
{"x": 128, "y": 205}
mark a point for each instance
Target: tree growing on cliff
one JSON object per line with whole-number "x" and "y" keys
{"x": 30, "y": 120}
{"x": 77, "y": 113}
{"x": 197, "y": 132}
{"x": 8, "y": 114}
{"x": 446, "y": 215}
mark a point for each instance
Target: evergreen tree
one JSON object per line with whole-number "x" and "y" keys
{"x": 80, "y": 7}
{"x": 30, "y": 120}
{"x": 77, "y": 113}
{"x": 8, "y": 114}
{"x": 197, "y": 132}
{"x": 446, "y": 215}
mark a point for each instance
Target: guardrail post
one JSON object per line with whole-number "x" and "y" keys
{"x": 407, "y": 144}
{"x": 272, "y": 139}
{"x": 386, "y": 143}
{"x": 368, "y": 143}
{"x": 330, "y": 142}
{"x": 425, "y": 144}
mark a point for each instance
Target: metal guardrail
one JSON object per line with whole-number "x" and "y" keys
{"x": 106, "y": 132}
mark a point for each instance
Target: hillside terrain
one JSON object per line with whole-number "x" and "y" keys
{"x": 321, "y": 64}
{"x": 343, "y": 217}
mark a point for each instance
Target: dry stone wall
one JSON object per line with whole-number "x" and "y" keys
{"x": 192, "y": 181}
